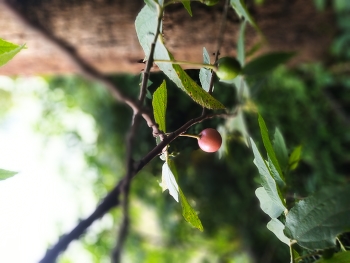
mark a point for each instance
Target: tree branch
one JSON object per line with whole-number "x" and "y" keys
{"x": 112, "y": 198}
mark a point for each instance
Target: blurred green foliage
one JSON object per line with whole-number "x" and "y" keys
{"x": 310, "y": 106}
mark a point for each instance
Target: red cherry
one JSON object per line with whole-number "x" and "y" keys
{"x": 210, "y": 140}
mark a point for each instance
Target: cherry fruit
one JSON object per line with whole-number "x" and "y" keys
{"x": 209, "y": 140}
{"x": 228, "y": 68}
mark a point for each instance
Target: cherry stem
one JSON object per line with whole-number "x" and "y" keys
{"x": 178, "y": 62}
{"x": 191, "y": 136}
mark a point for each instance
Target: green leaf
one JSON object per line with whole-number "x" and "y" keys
{"x": 8, "y": 50}
{"x": 270, "y": 151}
{"x": 4, "y": 174}
{"x": 146, "y": 24}
{"x": 342, "y": 257}
{"x": 267, "y": 180}
{"x": 316, "y": 221}
{"x": 240, "y": 44}
{"x": 273, "y": 209}
{"x": 276, "y": 227}
{"x": 295, "y": 158}
{"x": 187, "y": 5}
{"x": 242, "y": 11}
{"x": 204, "y": 73}
{"x": 159, "y": 104}
{"x": 169, "y": 182}
{"x": 188, "y": 212}
{"x": 192, "y": 89}
{"x": 267, "y": 62}
{"x": 280, "y": 149}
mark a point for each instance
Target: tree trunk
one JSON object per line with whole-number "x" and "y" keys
{"x": 103, "y": 32}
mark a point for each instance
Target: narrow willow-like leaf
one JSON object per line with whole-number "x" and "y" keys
{"x": 270, "y": 151}
{"x": 159, "y": 104}
{"x": 267, "y": 62}
{"x": 8, "y": 50}
{"x": 342, "y": 257}
{"x": 4, "y": 174}
{"x": 273, "y": 209}
{"x": 146, "y": 24}
{"x": 187, "y": 5}
{"x": 240, "y": 44}
{"x": 169, "y": 182}
{"x": 204, "y": 73}
{"x": 316, "y": 221}
{"x": 294, "y": 158}
{"x": 197, "y": 94}
{"x": 267, "y": 180}
{"x": 276, "y": 227}
{"x": 280, "y": 149}
{"x": 188, "y": 212}
{"x": 242, "y": 11}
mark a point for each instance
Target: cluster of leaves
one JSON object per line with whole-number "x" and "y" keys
{"x": 314, "y": 222}
{"x": 310, "y": 222}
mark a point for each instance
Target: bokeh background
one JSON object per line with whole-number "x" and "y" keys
{"x": 66, "y": 134}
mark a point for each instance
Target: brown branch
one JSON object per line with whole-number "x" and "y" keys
{"x": 116, "y": 255}
{"x": 219, "y": 41}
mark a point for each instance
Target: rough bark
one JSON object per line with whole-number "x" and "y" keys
{"x": 102, "y": 32}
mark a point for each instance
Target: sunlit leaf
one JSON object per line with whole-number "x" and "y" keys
{"x": 267, "y": 179}
{"x": 4, "y": 174}
{"x": 273, "y": 209}
{"x": 342, "y": 257}
{"x": 266, "y": 62}
{"x": 242, "y": 11}
{"x": 169, "y": 182}
{"x": 276, "y": 227}
{"x": 188, "y": 212}
{"x": 146, "y": 24}
{"x": 159, "y": 104}
{"x": 204, "y": 73}
{"x": 187, "y": 5}
{"x": 295, "y": 158}
{"x": 316, "y": 221}
{"x": 240, "y": 44}
{"x": 8, "y": 51}
{"x": 270, "y": 151}
{"x": 280, "y": 149}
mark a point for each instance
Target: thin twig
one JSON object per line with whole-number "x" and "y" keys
{"x": 219, "y": 41}
{"x": 116, "y": 255}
